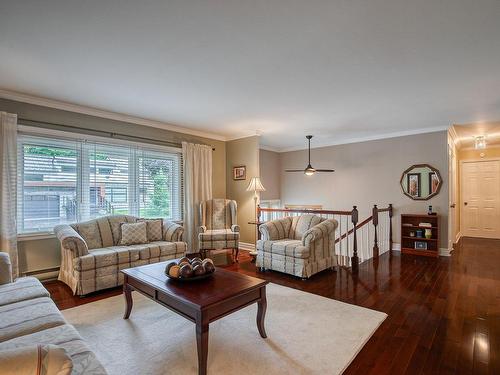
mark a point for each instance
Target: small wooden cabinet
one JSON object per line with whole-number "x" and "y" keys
{"x": 411, "y": 244}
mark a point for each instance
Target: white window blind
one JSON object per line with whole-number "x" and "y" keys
{"x": 64, "y": 181}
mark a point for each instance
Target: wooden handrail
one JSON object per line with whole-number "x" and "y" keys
{"x": 358, "y": 226}
{"x": 306, "y": 211}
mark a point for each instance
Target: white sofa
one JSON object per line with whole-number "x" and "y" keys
{"x": 31, "y": 323}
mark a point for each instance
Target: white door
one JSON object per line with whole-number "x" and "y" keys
{"x": 480, "y": 199}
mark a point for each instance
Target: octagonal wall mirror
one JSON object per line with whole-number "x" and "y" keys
{"x": 421, "y": 182}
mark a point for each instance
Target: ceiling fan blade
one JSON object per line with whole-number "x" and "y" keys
{"x": 294, "y": 170}
{"x": 325, "y": 170}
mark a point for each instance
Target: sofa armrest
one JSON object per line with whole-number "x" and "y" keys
{"x": 321, "y": 230}
{"x": 172, "y": 232}
{"x": 36, "y": 359}
{"x": 5, "y": 269}
{"x": 202, "y": 229}
{"x": 235, "y": 228}
{"x": 274, "y": 230}
{"x": 70, "y": 239}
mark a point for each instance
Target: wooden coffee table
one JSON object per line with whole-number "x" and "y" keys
{"x": 201, "y": 302}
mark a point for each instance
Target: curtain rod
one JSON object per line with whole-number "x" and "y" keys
{"x": 101, "y": 132}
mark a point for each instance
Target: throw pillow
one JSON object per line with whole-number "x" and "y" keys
{"x": 133, "y": 233}
{"x": 154, "y": 229}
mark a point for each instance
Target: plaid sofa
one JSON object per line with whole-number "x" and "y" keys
{"x": 218, "y": 228}
{"x": 30, "y": 321}
{"x": 92, "y": 257}
{"x": 300, "y": 245}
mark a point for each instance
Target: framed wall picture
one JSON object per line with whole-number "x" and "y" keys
{"x": 413, "y": 184}
{"x": 433, "y": 182}
{"x": 240, "y": 173}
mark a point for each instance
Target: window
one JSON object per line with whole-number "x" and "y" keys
{"x": 63, "y": 181}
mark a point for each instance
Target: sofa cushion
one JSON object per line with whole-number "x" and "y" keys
{"x": 302, "y": 223}
{"x": 115, "y": 223}
{"x": 154, "y": 229}
{"x": 219, "y": 235}
{"x": 36, "y": 359}
{"x": 159, "y": 249}
{"x": 105, "y": 230}
{"x": 64, "y": 336}
{"x": 89, "y": 230}
{"x": 24, "y": 288}
{"x": 133, "y": 233}
{"x": 108, "y": 256}
{"x": 287, "y": 247}
{"x": 25, "y": 317}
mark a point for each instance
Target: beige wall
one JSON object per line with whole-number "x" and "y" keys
{"x": 244, "y": 151}
{"x": 368, "y": 173}
{"x": 42, "y": 254}
{"x": 270, "y": 176}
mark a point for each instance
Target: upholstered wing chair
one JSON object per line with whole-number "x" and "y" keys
{"x": 218, "y": 228}
{"x": 300, "y": 245}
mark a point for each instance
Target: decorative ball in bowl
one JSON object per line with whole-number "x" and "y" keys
{"x": 186, "y": 269}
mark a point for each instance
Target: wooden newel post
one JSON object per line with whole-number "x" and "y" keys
{"x": 354, "y": 258}
{"x": 390, "y": 229}
{"x": 375, "y": 224}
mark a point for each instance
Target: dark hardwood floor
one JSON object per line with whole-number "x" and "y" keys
{"x": 444, "y": 314}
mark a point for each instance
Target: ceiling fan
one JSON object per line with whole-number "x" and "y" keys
{"x": 309, "y": 171}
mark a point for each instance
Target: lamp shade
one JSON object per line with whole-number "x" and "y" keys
{"x": 255, "y": 185}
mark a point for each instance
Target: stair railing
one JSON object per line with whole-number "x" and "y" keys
{"x": 355, "y": 241}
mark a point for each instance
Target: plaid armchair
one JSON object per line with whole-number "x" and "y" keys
{"x": 218, "y": 228}
{"x": 300, "y": 245}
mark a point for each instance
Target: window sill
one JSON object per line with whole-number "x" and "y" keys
{"x": 35, "y": 236}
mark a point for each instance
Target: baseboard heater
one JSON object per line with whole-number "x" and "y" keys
{"x": 42, "y": 271}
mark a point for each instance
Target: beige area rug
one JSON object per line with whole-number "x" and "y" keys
{"x": 307, "y": 334}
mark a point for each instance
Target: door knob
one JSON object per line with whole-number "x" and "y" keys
{"x": 452, "y": 205}
{"x": 465, "y": 203}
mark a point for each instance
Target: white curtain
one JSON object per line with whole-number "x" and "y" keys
{"x": 8, "y": 189}
{"x": 197, "y": 160}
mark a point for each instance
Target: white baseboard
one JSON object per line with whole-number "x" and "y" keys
{"x": 247, "y": 246}
{"x": 396, "y": 246}
{"x": 444, "y": 252}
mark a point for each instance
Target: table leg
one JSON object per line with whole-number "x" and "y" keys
{"x": 261, "y": 312}
{"x": 202, "y": 343}
{"x": 127, "y": 293}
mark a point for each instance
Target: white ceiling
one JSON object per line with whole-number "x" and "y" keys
{"x": 339, "y": 69}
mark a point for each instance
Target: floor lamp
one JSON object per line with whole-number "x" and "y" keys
{"x": 256, "y": 186}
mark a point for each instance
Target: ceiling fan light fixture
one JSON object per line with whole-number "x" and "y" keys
{"x": 309, "y": 171}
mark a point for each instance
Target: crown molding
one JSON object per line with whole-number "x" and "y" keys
{"x": 248, "y": 135}
{"x": 269, "y": 148}
{"x": 65, "y": 106}
{"x": 367, "y": 138}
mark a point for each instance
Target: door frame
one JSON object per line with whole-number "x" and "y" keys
{"x": 460, "y": 189}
